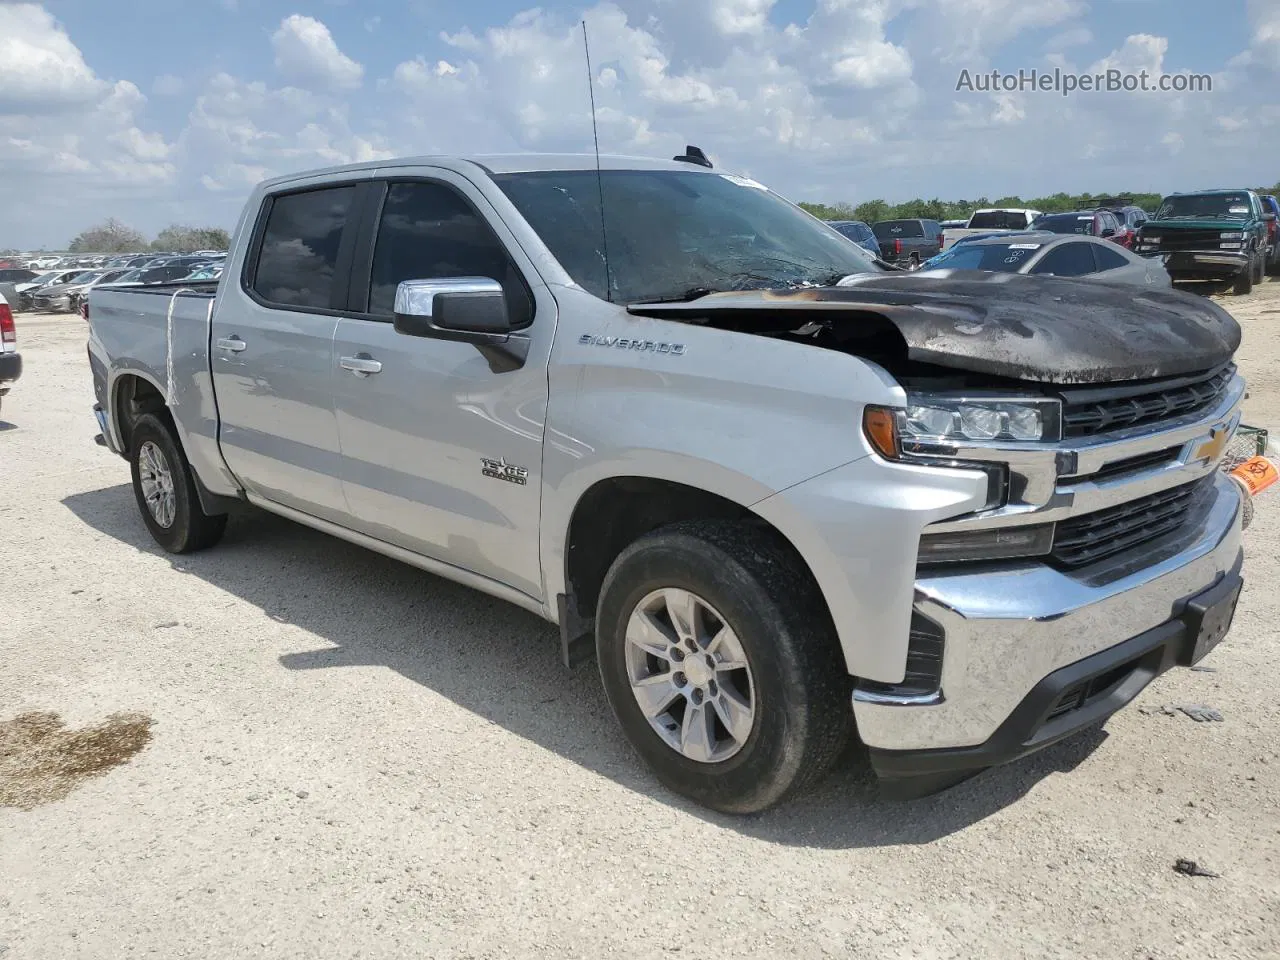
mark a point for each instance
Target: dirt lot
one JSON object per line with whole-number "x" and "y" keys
{"x": 289, "y": 747}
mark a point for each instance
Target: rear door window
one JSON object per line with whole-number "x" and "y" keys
{"x": 1068, "y": 260}
{"x": 298, "y": 260}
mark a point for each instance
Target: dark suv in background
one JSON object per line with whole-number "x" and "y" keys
{"x": 1091, "y": 223}
{"x": 908, "y": 243}
{"x": 1211, "y": 235}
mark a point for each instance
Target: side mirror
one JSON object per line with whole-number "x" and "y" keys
{"x": 463, "y": 309}
{"x": 1269, "y": 217}
{"x": 1107, "y": 232}
{"x": 466, "y": 307}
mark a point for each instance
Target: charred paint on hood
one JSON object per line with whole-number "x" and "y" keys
{"x": 1027, "y": 328}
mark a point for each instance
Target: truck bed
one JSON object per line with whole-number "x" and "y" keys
{"x": 129, "y": 334}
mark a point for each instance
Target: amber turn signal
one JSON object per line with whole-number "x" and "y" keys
{"x": 881, "y": 429}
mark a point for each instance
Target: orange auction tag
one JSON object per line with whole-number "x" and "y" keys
{"x": 1256, "y": 473}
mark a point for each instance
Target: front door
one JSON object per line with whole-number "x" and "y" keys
{"x": 442, "y": 448}
{"x": 272, "y": 353}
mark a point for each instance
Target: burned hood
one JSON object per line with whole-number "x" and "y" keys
{"x": 1044, "y": 329}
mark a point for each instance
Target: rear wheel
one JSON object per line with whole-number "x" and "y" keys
{"x": 914, "y": 262}
{"x": 721, "y": 664}
{"x": 164, "y": 486}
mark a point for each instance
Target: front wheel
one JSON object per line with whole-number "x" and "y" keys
{"x": 1244, "y": 280}
{"x": 721, "y": 664}
{"x": 164, "y": 487}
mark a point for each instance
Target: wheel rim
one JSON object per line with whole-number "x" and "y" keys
{"x": 690, "y": 676}
{"x": 157, "y": 483}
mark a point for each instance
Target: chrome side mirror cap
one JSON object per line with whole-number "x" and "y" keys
{"x": 473, "y": 305}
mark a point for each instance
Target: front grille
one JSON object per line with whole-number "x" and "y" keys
{"x": 1094, "y": 536}
{"x": 1174, "y": 240}
{"x": 1091, "y": 411}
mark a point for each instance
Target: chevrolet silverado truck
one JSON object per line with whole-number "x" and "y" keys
{"x": 1211, "y": 235}
{"x": 783, "y": 495}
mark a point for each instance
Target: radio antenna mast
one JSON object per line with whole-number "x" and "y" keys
{"x": 595, "y": 136}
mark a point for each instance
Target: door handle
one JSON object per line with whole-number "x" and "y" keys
{"x": 234, "y": 344}
{"x": 361, "y": 365}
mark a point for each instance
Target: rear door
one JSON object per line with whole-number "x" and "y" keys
{"x": 272, "y": 350}
{"x": 442, "y": 445}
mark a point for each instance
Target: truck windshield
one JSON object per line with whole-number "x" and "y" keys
{"x": 1232, "y": 206}
{"x": 998, "y": 220}
{"x": 676, "y": 235}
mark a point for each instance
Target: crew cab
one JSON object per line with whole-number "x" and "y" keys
{"x": 1210, "y": 235}
{"x": 771, "y": 486}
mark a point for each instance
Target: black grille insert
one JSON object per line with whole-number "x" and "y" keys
{"x": 1090, "y": 691}
{"x": 924, "y": 661}
{"x": 1094, "y": 536}
{"x": 1090, "y": 411}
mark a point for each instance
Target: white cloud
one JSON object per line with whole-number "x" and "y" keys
{"x": 39, "y": 65}
{"x": 1264, "y": 42}
{"x": 967, "y": 32}
{"x": 733, "y": 17}
{"x": 307, "y": 54}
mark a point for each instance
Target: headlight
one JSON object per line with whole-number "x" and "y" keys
{"x": 929, "y": 423}
{"x": 1231, "y": 235}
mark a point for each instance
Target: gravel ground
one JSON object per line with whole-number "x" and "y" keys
{"x": 329, "y": 754}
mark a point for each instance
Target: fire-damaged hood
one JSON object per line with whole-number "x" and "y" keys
{"x": 1044, "y": 329}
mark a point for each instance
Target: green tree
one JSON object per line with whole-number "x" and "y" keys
{"x": 111, "y": 236}
{"x": 178, "y": 238}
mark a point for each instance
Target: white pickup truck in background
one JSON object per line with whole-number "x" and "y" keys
{"x": 989, "y": 220}
{"x": 783, "y": 495}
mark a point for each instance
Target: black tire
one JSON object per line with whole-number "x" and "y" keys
{"x": 1244, "y": 280}
{"x": 1261, "y": 275}
{"x": 190, "y": 528}
{"x": 803, "y": 716}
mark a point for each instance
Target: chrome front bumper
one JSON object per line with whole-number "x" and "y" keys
{"x": 1008, "y": 630}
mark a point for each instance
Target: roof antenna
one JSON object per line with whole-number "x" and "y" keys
{"x": 595, "y": 136}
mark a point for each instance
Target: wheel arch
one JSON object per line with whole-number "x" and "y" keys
{"x": 611, "y": 512}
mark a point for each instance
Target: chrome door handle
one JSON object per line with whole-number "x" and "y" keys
{"x": 234, "y": 344}
{"x": 361, "y": 365}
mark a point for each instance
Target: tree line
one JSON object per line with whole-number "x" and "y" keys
{"x": 871, "y": 211}
{"x": 112, "y": 236}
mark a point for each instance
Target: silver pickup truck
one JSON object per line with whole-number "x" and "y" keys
{"x": 782, "y": 495}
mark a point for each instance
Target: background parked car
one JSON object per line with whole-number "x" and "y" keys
{"x": 907, "y": 243}
{"x": 1272, "y": 205}
{"x": 166, "y": 273}
{"x": 859, "y": 233}
{"x": 10, "y": 359}
{"x": 1210, "y": 235}
{"x": 28, "y": 291}
{"x": 1053, "y": 255}
{"x": 1090, "y": 223}
{"x": 991, "y": 218}
{"x": 16, "y": 275}
{"x": 66, "y": 297}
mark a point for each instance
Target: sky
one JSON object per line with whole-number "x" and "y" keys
{"x": 156, "y": 111}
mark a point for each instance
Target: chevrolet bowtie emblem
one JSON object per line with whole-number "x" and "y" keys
{"x": 1212, "y": 448}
